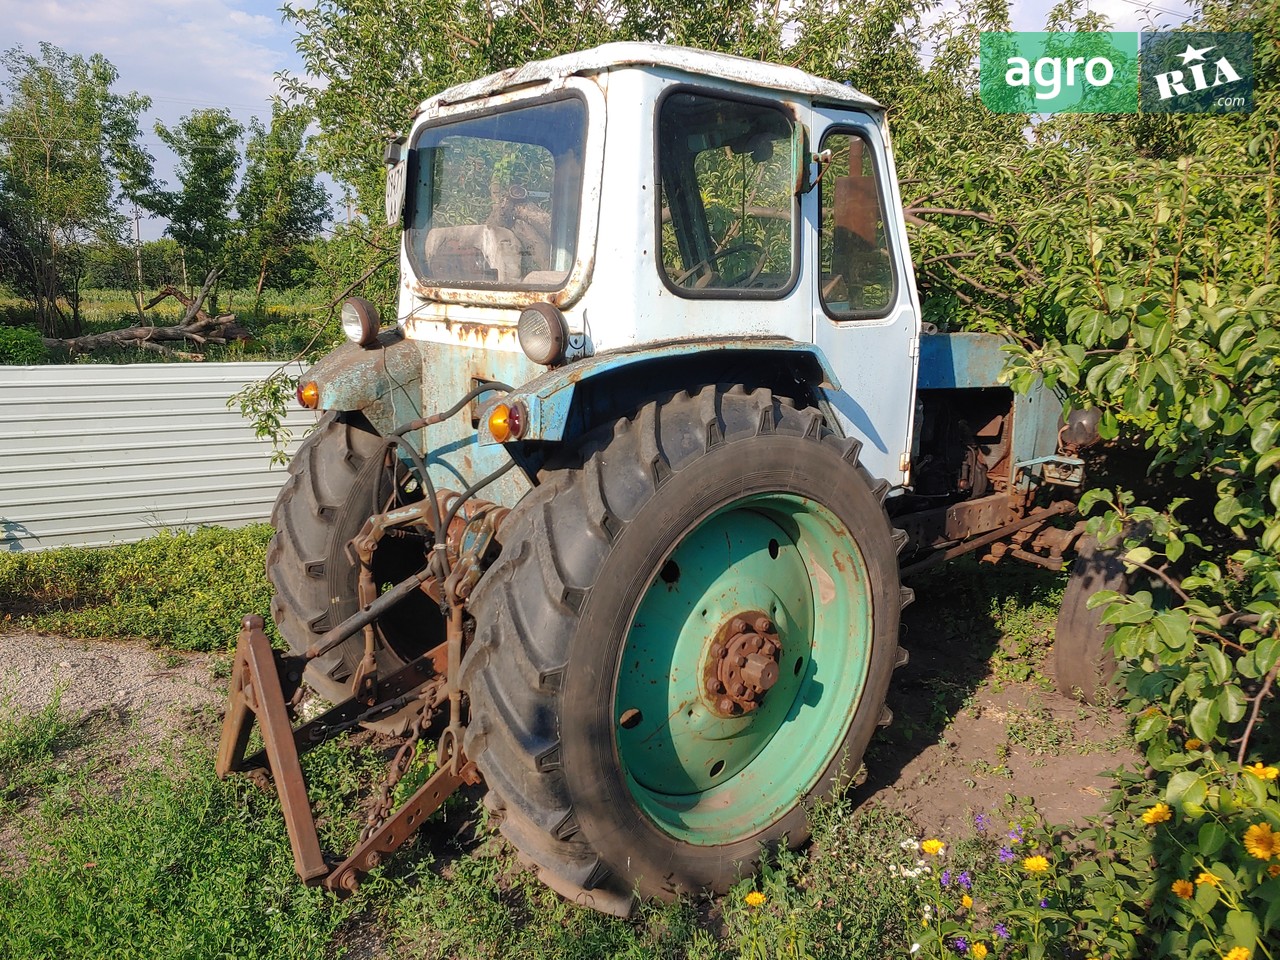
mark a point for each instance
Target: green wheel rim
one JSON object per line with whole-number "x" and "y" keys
{"x": 711, "y": 779}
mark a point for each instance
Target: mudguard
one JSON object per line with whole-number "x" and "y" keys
{"x": 352, "y": 377}
{"x": 548, "y": 399}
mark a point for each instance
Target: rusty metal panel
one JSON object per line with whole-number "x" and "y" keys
{"x": 97, "y": 454}
{"x": 686, "y": 60}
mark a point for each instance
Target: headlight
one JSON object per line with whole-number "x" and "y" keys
{"x": 360, "y": 321}
{"x": 543, "y": 332}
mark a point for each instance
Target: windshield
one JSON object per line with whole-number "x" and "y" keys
{"x": 726, "y": 202}
{"x": 496, "y": 198}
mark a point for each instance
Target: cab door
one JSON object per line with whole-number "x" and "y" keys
{"x": 866, "y": 312}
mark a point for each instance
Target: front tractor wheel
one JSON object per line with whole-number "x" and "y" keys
{"x": 337, "y": 480}
{"x": 686, "y": 641}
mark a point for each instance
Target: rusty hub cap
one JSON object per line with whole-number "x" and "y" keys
{"x": 741, "y": 664}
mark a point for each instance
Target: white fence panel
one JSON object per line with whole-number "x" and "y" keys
{"x": 97, "y": 454}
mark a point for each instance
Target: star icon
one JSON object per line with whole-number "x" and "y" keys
{"x": 1191, "y": 53}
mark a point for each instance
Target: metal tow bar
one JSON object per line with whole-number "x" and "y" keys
{"x": 263, "y": 682}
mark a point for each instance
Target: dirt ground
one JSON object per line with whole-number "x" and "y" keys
{"x": 963, "y": 738}
{"x": 150, "y": 693}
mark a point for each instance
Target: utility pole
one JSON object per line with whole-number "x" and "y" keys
{"x": 137, "y": 257}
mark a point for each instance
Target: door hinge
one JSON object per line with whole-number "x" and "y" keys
{"x": 913, "y": 347}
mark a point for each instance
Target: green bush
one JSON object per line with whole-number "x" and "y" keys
{"x": 186, "y": 590}
{"x": 21, "y": 346}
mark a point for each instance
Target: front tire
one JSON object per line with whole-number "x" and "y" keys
{"x": 337, "y": 480}
{"x": 686, "y": 641}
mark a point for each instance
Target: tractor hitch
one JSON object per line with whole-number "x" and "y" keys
{"x": 264, "y": 684}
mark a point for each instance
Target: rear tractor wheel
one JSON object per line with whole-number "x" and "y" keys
{"x": 686, "y": 641}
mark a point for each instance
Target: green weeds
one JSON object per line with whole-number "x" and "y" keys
{"x": 29, "y": 743}
{"x": 175, "y": 863}
{"x": 186, "y": 590}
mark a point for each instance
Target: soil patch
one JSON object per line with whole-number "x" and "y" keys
{"x": 963, "y": 737}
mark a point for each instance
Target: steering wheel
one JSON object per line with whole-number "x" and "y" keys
{"x": 706, "y": 264}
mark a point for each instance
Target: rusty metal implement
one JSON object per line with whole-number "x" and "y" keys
{"x": 263, "y": 684}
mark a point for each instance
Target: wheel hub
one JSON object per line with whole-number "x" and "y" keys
{"x": 741, "y": 664}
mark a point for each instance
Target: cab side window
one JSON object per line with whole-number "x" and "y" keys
{"x": 857, "y": 277}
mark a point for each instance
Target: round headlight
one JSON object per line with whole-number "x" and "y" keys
{"x": 543, "y": 333}
{"x": 360, "y": 321}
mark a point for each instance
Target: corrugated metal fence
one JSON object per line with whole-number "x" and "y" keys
{"x": 97, "y": 454}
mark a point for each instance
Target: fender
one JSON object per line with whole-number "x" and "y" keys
{"x": 549, "y": 399}
{"x": 352, "y": 377}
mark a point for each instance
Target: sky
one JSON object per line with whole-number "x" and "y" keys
{"x": 189, "y": 54}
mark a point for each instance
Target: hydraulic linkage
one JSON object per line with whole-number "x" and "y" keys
{"x": 264, "y": 684}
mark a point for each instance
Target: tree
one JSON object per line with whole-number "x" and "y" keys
{"x": 370, "y": 62}
{"x": 281, "y": 205}
{"x": 207, "y": 145}
{"x": 69, "y": 147}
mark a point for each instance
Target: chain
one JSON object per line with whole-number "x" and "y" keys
{"x": 403, "y": 760}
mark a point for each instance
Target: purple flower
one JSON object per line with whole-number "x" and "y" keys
{"x": 1001, "y": 932}
{"x": 960, "y": 945}
{"x": 946, "y": 878}
{"x": 965, "y": 880}
{"x": 1016, "y": 834}
{"x": 1044, "y": 903}
{"x": 980, "y": 821}
{"x": 1006, "y": 855}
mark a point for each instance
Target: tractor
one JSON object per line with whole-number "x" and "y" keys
{"x": 617, "y": 512}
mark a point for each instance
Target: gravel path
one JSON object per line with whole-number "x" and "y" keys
{"x": 156, "y": 692}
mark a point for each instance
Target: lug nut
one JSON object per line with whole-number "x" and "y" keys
{"x": 726, "y": 706}
{"x": 763, "y": 625}
{"x": 714, "y": 686}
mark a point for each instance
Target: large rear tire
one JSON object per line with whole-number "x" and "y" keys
{"x": 337, "y": 480}
{"x": 719, "y": 539}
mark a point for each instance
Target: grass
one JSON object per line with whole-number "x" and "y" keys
{"x": 186, "y": 589}
{"x": 29, "y": 744}
{"x": 289, "y": 323}
{"x": 172, "y": 863}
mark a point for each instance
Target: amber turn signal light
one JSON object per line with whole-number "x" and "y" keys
{"x": 308, "y": 394}
{"x": 506, "y": 422}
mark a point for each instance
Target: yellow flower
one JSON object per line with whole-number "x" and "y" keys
{"x": 966, "y": 901}
{"x": 1157, "y": 814}
{"x": 1273, "y": 870}
{"x": 1183, "y": 889}
{"x": 1261, "y": 841}
{"x": 1209, "y": 878}
{"x": 1263, "y": 773}
{"x": 755, "y": 899}
{"x": 1236, "y": 953}
{"x": 1194, "y": 744}
{"x": 933, "y": 847}
{"x": 1036, "y": 864}
{"x": 979, "y": 951}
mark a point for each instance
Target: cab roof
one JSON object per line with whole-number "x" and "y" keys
{"x": 612, "y": 56}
